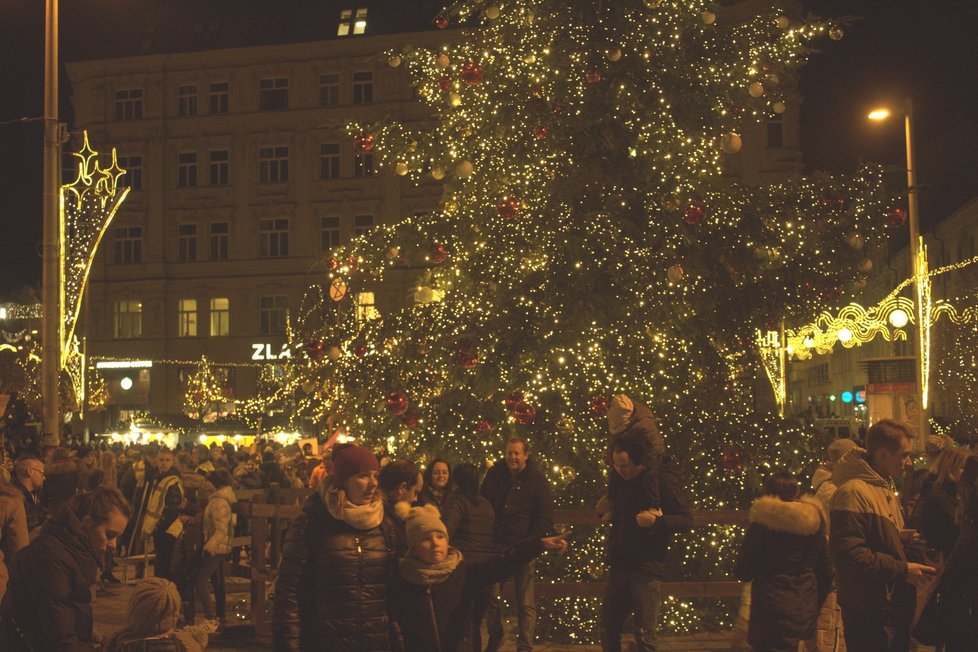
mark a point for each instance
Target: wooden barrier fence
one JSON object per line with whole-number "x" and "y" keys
{"x": 270, "y": 511}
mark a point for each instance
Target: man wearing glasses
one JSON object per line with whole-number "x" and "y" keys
{"x": 30, "y": 480}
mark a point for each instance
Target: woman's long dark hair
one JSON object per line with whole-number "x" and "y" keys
{"x": 466, "y": 478}
{"x": 431, "y": 469}
{"x": 782, "y": 484}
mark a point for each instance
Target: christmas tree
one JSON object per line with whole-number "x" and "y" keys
{"x": 204, "y": 394}
{"x": 590, "y": 244}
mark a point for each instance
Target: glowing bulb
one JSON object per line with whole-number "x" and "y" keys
{"x": 899, "y": 318}
{"x": 126, "y": 383}
{"x": 845, "y": 335}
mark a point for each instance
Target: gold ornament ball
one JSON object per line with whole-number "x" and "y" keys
{"x": 424, "y": 295}
{"x": 401, "y": 169}
{"x": 855, "y": 241}
{"x": 675, "y": 273}
{"x": 567, "y": 474}
{"x": 614, "y": 54}
{"x": 438, "y": 173}
{"x": 530, "y": 58}
{"x": 393, "y": 253}
{"x": 708, "y": 17}
{"x": 756, "y": 89}
{"x": 454, "y": 99}
{"x": 779, "y": 107}
{"x": 836, "y": 33}
{"x": 464, "y": 170}
{"x": 442, "y": 60}
{"x": 731, "y": 143}
{"x": 783, "y": 22}
{"x": 860, "y": 282}
{"x": 394, "y": 61}
{"x": 492, "y": 12}
{"x": 865, "y": 265}
{"x": 308, "y": 386}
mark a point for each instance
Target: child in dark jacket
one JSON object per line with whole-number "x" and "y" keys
{"x": 436, "y": 587}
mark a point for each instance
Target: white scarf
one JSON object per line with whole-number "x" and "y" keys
{"x": 361, "y": 517}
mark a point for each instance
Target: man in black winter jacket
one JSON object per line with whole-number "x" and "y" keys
{"x": 524, "y": 505}
{"x": 648, "y": 506}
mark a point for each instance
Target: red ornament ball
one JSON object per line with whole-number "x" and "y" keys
{"x": 467, "y": 359}
{"x": 471, "y": 73}
{"x": 439, "y": 254}
{"x": 733, "y": 459}
{"x": 397, "y": 403}
{"x": 834, "y": 203}
{"x": 352, "y": 263}
{"x": 524, "y": 413}
{"x": 315, "y": 349}
{"x": 541, "y": 132}
{"x": 361, "y": 350}
{"x": 694, "y": 213}
{"x": 363, "y": 142}
{"x": 445, "y": 83}
{"x": 593, "y": 76}
{"x": 483, "y": 428}
{"x": 599, "y": 405}
{"x": 333, "y": 263}
{"x": 508, "y": 207}
{"x": 896, "y": 216}
{"x": 441, "y": 22}
{"x": 410, "y": 419}
{"x": 514, "y": 399}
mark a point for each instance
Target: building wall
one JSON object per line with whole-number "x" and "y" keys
{"x": 159, "y": 280}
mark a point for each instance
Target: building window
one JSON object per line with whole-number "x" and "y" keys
{"x": 329, "y": 90}
{"x": 127, "y": 319}
{"x": 818, "y": 374}
{"x": 272, "y": 312}
{"x": 329, "y": 161}
{"x": 363, "y": 165}
{"x": 273, "y": 238}
{"x": 273, "y": 94}
{"x": 775, "y": 131}
{"x": 362, "y": 224}
{"x": 220, "y": 317}
{"x": 220, "y": 167}
{"x": 366, "y": 308}
{"x": 187, "y": 169}
{"x": 219, "y": 240}
{"x": 133, "y": 165}
{"x": 187, "y": 242}
{"x": 352, "y": 21}
{"x": 363, "y": 87}
{"x": 187, "y": 318}
{"x": 187, "y": 100}
{"x": 273, "y": 164}
{"x": 220, "y": 95}
{"x": 329, "y": 234}
{"x": 128, "y": 246}
{"x": 129, "y": 104}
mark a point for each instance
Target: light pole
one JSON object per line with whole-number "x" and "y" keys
{"x": 913, "y": 215}
{"x": 52, "y": 321}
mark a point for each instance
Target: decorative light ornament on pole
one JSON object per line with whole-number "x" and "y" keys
{"x": 337, "y": 289}
{"x": 918, "y": 265}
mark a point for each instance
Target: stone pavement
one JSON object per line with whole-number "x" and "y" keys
{"x": 110, "y": 616}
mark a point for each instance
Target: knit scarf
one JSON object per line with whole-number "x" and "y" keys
{"x": 416, "y": 571}
{"x": 361, "y": 517}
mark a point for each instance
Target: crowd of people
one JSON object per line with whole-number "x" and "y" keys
{"x": 391, "y": 555}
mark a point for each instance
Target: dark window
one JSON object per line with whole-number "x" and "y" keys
{"x": 329, "y": 90}
{"x": 220, "y": 94}
{"x": 219, "y": 162}
{"x": 273, "y": 94}
{"x": 273, "y": 164}
{"x": 329, "y": 161}
{"x": 330, "y": 233}
{"x": 272, "y": 313}
{"x": 775, "y": 131}
{"x": 273, "y": 238}
{"x": 219, "y": 240}
{"x": 187, "y": 170}
{"x": 187, "y": 242}
{"x": 127, "y": 317}
{"x": 187, "y": 100}
{"x": 128, "y": 246}
{"x": 129, "y": 104}
{"x": 133, "y": 165}
{"x": 362, "y": 224}
{"x": 363, "y": 87}
{"x": 363, "y": 165}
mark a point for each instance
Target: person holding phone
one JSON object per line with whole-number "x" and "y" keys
{"x": 876, "y": 582}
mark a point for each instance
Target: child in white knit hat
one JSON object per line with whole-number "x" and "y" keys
{"x": 151, "y": 621}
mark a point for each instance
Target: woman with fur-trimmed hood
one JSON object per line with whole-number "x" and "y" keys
{"x": 785, "y": 554}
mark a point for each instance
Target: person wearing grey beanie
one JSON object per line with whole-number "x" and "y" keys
{"x": 154, "y": 608}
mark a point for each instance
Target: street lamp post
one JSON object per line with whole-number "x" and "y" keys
{"x": 913, "y": 215}
{"x": 51, "y": 239}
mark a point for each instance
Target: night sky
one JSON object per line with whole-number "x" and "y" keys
{"x": 925, "y": 49}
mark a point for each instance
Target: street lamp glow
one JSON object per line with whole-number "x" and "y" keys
{"x": 845, "y": 335}
{"x": 899, "y": 318}
{"x": 879, "y": 114}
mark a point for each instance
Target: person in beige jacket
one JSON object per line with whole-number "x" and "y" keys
{"x": 13, "y": 528}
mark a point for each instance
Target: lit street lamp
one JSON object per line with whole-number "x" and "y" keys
{"x": 879, "y": 115}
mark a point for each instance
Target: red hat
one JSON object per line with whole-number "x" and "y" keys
{"x": 352, "y": 461}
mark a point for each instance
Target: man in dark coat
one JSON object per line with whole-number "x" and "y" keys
{"x": 867, "y": 537}
{"x": 648, "y": 506}
{"x": 523, "y": 502}
{"x": 30, "y": 481}
{"x": 48, "y": 605}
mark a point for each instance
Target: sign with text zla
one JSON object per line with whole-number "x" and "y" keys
{"x": 267, "y": 352}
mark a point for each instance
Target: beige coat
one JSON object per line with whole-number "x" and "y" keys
{"x": 13, "y": 533}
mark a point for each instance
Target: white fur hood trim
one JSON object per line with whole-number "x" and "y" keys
{"x": 804, "y": 517}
